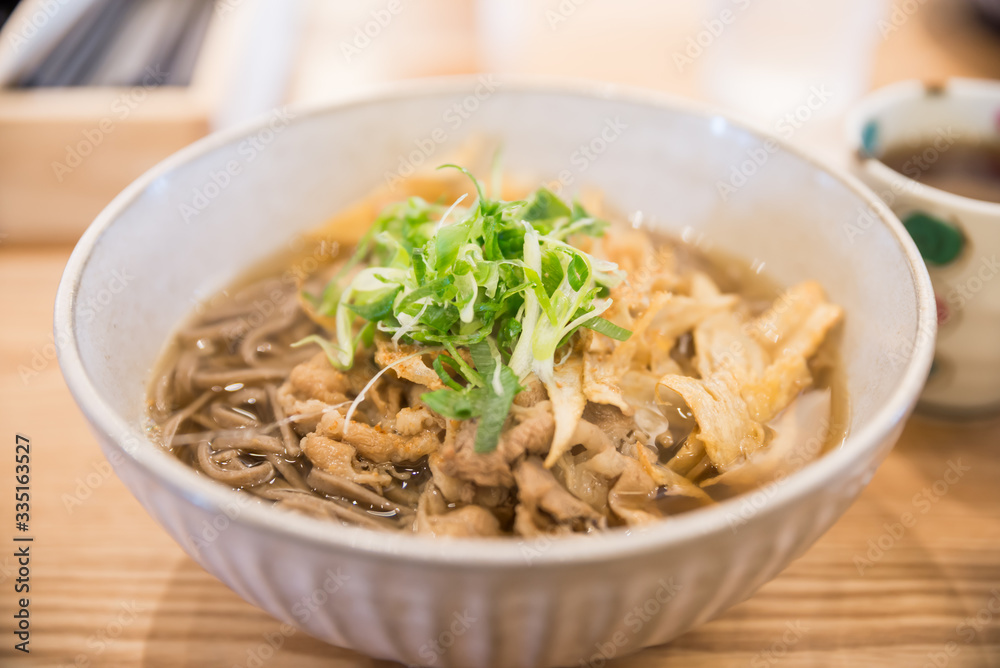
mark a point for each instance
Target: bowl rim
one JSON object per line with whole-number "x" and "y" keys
{"x": 470, "y": 553}
{"x": 900, "y": 93}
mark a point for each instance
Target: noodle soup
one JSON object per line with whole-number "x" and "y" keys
{"x": 546, "y": 373}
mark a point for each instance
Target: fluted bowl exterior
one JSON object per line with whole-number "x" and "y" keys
{"x": 203, "y": 216}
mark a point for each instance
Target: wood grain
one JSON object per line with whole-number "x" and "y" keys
{"x": 110, "y": 588}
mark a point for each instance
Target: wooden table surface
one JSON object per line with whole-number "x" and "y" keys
{"x": 110, "y": 588}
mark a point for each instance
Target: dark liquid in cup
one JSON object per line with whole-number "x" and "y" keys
{"x": 964, "y": 168}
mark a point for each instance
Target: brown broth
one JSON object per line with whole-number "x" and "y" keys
{"x": 969, "y": 169}
{"x": 309, "y": 262}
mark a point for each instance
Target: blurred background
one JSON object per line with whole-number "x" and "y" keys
{"x": 94, "y": 92}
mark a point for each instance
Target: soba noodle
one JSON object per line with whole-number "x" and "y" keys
{"x": 720, "y": 382}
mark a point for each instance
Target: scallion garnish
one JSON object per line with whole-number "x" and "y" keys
{"x": 497, "y": 278}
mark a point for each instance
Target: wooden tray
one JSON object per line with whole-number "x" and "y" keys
{"x": 66, "y": 152}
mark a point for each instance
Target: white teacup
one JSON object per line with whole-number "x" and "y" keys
{"x": 959, "y": 237}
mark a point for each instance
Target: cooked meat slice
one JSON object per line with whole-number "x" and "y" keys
{"x": 538, "y": 490}
{"x": 313, "y": 385}
{"x": 453, "y": 489}
{"x": 340, "y": 459}
{"x": 414, "y": 370}
{"x": 412, "y": 421}
{"x": 304, "y": 415}
{"x": 533, "y": 392}
{"x": 377, "y": 444}
{"x": 532, "y": 434}
{"x": 434, "y": 518}
{"x": 459, "y": 458}
{"x": 466, "y": 522}
{"x": 584, "y": 483}
{"x": 530, "y": 523}
{"x": 620, "y": 482}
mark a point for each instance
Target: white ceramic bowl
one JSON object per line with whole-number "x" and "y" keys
{"x": 140, "y": 267}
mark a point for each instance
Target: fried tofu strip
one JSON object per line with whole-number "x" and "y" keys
{"x": 724, "y": 422}
{"x": 750, "y": 372}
